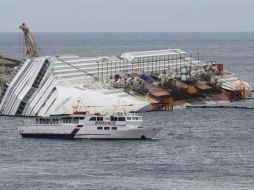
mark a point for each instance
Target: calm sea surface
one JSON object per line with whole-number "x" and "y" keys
{"x": 197, "y": 149}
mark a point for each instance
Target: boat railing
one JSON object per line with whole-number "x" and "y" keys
{"x": 50, "y": 121}
{"x": 29, "y": 121}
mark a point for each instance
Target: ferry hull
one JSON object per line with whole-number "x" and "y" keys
{"x": 61, "y": 136}
{"x": 79, "y": 133}
{"x": 47, "y": 136}
{"x": 134, "y": 134}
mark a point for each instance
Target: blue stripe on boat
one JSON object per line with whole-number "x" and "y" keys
{"x": 53, "y": 136}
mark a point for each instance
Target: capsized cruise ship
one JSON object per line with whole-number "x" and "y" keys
{"x": 63, "y": 84}
{"x": 132, "y": 82}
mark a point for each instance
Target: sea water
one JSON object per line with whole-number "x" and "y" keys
{"x": 197, "y": 148}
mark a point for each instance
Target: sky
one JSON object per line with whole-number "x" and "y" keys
{"x": 128, "y": 15}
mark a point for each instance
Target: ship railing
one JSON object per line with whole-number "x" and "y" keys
{"x": 49, "y": 121}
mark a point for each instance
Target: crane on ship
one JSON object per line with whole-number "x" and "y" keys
{"x": 31, "y": 48}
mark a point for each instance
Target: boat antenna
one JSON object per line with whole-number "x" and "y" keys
{"x": 31, "y": 48}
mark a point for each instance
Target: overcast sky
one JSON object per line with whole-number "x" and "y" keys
{"x": 128, "y": 15}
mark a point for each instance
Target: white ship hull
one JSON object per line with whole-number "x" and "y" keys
{"x": 73, "y": 132}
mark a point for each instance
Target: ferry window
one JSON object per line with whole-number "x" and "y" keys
{"x": 92, "y": 119}
{"x": 134, "y": 118}
{"x": 114, "y": 128}
{"x": 106, "y": 128}
{"x": 67, "y": 120}
{"x": 41, "y": 121}
{"x": 121, "y": 118}
{"x": 99, "y": 118}
{"x": 99, "y": 128}
{"x": 81, "y": 118}
{"x": 128, "y": 118}
{"x": 106, "y": 119}
{"x": 75, "y": 120}
{"x": 54, "y": 121}
{"x": 112, "y": 118}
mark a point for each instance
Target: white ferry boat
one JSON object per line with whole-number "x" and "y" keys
{"x": 119, "y": 125}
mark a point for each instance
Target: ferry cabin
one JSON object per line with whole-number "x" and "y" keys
{"x": 102, "y": 122}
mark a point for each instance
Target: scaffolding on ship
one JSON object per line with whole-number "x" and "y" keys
{"x": 106, "y": 68}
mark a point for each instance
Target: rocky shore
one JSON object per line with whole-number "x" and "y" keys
{"x": 7, "y": 65}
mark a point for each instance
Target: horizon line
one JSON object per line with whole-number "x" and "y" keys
{"x": 132, "y": 32}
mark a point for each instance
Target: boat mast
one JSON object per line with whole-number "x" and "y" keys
{"x": 31, "y": 49}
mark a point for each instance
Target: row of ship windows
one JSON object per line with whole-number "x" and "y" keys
{"x": 132, "y": 118}
{"x": 58, "y": 120}
{"x": 106, "y": 128}
{"x": 113, "y": 118}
